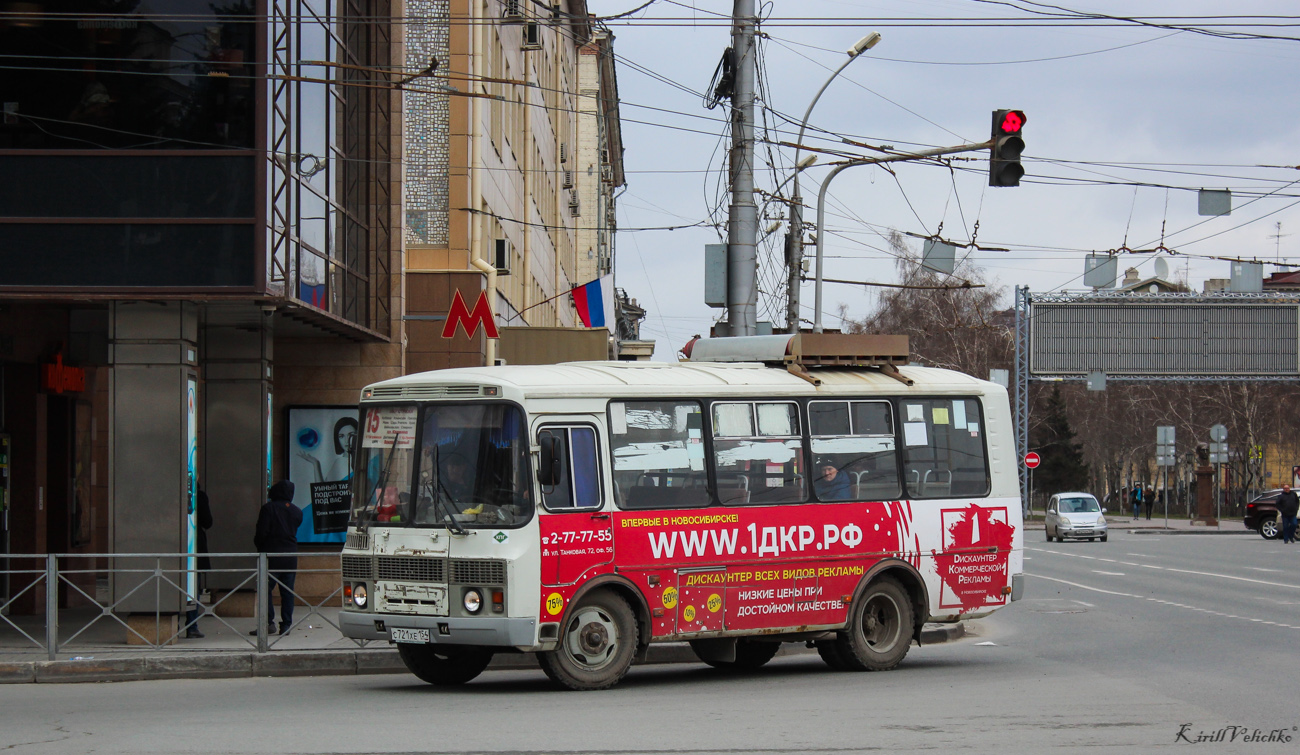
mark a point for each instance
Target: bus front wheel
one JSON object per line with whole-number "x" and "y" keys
{"x": 444, "y": 666}
{"x": 597, "y": 644}
{"x": 880, "y": 629}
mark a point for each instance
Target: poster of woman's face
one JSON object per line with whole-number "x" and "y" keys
{"x": 321, "y": 441}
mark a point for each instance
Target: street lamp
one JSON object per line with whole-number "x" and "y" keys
{"x": 794, "y": 252}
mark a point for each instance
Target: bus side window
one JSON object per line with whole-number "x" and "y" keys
{"x": 658, "y": 451}
{"x": 856, "y": 439}
{"x": 578, "y": 486}
{"x": 943, "y": 448}
{"x": 758, "y": 452}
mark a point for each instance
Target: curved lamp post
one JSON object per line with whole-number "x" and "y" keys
{"x": 794, "y": 258}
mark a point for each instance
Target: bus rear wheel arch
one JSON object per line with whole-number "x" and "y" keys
{"x": 597, "y": 644}
{"x": 879, "y": 632}
{"x": 444, "y": 665}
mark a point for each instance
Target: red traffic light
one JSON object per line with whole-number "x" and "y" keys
{"x": 1012, "y": 121}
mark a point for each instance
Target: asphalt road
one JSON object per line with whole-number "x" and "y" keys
{"x": 1115, "y": 648}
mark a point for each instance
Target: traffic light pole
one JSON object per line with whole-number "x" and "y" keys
{"x": 821, "y": 205}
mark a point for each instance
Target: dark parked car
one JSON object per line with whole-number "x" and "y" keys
{"x": 1261, "y": 515}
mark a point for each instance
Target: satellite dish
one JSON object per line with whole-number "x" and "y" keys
{"x": 1162, "y": 268}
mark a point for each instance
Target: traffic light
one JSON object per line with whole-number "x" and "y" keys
{"x": 1004, "y": 156}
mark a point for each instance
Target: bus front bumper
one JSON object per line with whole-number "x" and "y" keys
{"x": 442, "y": 630}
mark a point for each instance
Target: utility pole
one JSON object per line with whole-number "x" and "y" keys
{"x": 742, "y": 220}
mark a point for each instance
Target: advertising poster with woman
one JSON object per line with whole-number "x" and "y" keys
{"x": 320, "y": 443}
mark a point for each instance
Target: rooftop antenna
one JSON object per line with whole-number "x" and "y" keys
{"x": 1277, "y": 240}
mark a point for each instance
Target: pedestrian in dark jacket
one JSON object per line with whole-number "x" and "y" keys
{"x": 1136, "y": 499}
{"x": 1288, "y": 504}
{"x": 203, "y": 520}
{"x": 277, "y": 536}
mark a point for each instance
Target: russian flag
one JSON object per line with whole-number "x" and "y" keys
{"x": 595, "y": 302}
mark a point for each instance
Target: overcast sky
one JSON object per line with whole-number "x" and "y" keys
{"x": 1196, "y": 111}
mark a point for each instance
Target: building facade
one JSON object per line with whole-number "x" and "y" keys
{"x": 219, "y": 219}
{"x": 199, "y": 229}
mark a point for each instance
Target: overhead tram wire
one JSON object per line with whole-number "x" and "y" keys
{"x": 988, "y": 63}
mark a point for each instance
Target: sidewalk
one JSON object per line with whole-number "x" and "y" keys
{"x": 201, "y": 663}
{"x": 1156, "y": 526}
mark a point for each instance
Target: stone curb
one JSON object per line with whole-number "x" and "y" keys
{"x": 219, "y": 665}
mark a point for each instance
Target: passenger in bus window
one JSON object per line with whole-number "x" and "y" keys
{"x": 831, "y": 484}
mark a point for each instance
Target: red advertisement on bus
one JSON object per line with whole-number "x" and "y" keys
{"x": 750, "y": 568}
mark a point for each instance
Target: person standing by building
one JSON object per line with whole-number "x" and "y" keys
{"x": 1136, "y": 500}
{"x": 277, "y": 536}
{"x": 1288, "y": 505}
{"x": 1151, "y": 497}
{"x": 203, "y": 514}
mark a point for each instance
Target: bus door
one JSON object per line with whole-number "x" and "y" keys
{"x": 576, "y": 532}
{"x": 701, "y": 599}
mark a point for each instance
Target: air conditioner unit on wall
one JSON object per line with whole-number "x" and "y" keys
{"x": 607, "y": 173}
{"x": 574, "y": 206}
{"x": 567, "y": 179}
{"x": 505, "y": 253}
{"x": 532, "y": 36}
{"x": 564, "y": 152}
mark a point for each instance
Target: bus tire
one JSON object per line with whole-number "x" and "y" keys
{"x": 443, "y": 665}
{"x": 598, "y": 641}
{"x": 750, "y": 656}
{"x": 880, "y": 629}
{"x": 830, "y": 653}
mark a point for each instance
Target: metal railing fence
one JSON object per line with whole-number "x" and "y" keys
{"x": 65, "y": 602}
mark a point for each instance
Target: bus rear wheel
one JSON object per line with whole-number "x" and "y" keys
{"x": 597, "y": 644}
{"x": 880, "y": 629}
{"x": 750, "y": 656}
{"x": 444, "y": 666}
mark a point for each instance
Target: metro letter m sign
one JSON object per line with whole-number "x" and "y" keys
{"x": 460, "y": 315}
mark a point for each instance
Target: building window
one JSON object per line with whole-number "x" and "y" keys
{"x": 177, "y": 74}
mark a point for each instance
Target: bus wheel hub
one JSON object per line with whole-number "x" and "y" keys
{"x": 594, "y": 637}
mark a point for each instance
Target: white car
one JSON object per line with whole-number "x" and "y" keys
{"x": 1076, "y": 515}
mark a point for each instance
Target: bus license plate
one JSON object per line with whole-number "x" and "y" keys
{"x": 409, "y": 635}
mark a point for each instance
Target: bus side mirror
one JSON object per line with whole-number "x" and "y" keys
{"x": 548, "y": 467}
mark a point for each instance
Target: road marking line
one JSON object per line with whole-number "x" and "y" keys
{"x": 1109, "y": 573}
{"x": 1153, "y": 600}
{"x": 1258, "y": 568}
{"x": 1186, "y": 571}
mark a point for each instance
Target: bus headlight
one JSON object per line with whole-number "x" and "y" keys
{"x": 473, "y": 601}
{"x": 359, "y": 596}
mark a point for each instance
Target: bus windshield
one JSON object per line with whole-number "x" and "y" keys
{"x": 473, "y": 467}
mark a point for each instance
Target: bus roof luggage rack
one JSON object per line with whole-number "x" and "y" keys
{"x": 803, "y": 350}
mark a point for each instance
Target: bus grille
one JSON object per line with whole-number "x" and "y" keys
{"x": 403, "y": 569}
{"x": 478, "y": 571}
{"x": 357, "y": 567}
{"x": 358, "y": 541}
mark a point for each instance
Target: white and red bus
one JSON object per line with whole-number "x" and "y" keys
{"x": 760, "y": 493}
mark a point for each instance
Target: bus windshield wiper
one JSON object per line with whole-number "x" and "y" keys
{"x": 448, "y": 513}
{"x": 376, "y": 499}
